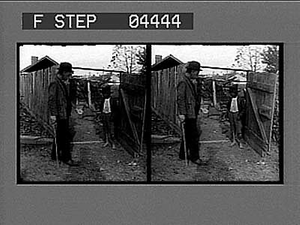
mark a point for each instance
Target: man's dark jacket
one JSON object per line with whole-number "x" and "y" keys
{"x": 188, "y": 100}
{"x": 59, "y": 102}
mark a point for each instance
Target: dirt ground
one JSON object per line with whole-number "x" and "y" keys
{"x": 103, "y": 164}
{"x": 96, "y": 163}
{"x": 224, "y": 163}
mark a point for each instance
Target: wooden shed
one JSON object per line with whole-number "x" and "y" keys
{"x": 166, "y": 74}
{"x": 34, "y": 82}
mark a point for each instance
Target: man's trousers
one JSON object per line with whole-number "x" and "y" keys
{"x": 235, "y": 124}
{"x": 108, "y": 128}
{"x": 192, "y": 140}
{"x": 63, "y": 138}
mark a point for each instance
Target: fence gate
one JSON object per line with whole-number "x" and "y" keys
{"x": 261, "y": 93}
{"x": 131, "y": 117}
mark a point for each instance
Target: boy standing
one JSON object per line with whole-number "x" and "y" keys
{"x": 107, "y": 108}
{"x": 236, "y": 110}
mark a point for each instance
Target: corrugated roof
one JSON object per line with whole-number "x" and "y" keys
{"x": 43, "y": 63}
{"x": 167, "y": 62}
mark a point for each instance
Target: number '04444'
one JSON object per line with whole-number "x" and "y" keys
{"x": 155, "y": 20}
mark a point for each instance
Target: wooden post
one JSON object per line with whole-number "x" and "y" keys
{"x": 89, "y": 93}
{"x": 76, "y": 93}
{"x": 143, "y": 122}
{"x": 272, "y": 114}
{"x": 134, "y": 131}
{"x": 214, "y": 93}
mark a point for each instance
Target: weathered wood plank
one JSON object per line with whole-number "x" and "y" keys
{"x": 143, "y": 122}
{"x": 167, "y": 139}
{"x": 255, "y": 142}
{"x": 172, "y": 125}
{"x": 134, "y": 131}
{"x": 272, "y": 114}
{"x": 128, "y": 142}
{"x": 34, "y": 92}
{"x": 255, "y": 111}
{"x": 265, "y": 111}
{"x": 35, "y": 140}
{"x": 262, "y": 87}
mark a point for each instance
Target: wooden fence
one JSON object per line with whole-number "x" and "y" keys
{"x": 89, "y": 91}
{"x": 261, "y": 97}
{"x": 131, "y": 95}
{"x": 164, "y": 94}
{"x": 131, "y": 116}
{"x": 34, "y": 92}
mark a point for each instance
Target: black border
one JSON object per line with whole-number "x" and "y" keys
{"x": 19, "y": 181}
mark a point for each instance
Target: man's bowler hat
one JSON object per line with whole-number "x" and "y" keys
{"x": 65, "y": 67}
{"x": 194, "y": 65}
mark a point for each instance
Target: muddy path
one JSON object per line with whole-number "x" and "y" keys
{"x": 96, "y": 163}
{"x": 225, "y": 163}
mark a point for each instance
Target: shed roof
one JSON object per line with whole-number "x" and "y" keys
{"x": 43, "y": 63}
{"x": 167, "y": 62}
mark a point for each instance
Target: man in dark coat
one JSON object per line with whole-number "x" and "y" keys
{"x": 59, "y": 103}
{"x": 188, "y": 103}
{"x": 236, "y": 111}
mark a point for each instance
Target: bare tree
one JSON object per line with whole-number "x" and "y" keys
{"x": 127, "y": 58}
{"x": 249, "y": 57}
{"x": 270, "y": 57}
{"x": 142, "y": 59}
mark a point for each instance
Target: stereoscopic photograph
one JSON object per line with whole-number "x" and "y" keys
{"x": 82, "y": 113}
{"x": 216, "y": 113}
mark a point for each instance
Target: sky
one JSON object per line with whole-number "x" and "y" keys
{"x": 88, "y": 56}
{"x": 96, "y": 56}
{"x": 208, "y": 55}
{"x": 99, "y": 56}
